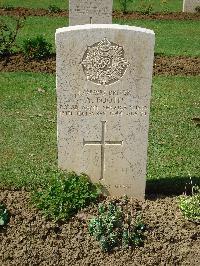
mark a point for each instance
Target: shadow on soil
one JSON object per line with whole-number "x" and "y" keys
{"x": 172, "y": 186}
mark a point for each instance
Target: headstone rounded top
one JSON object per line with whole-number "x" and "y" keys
{"x": 104, "y": 26}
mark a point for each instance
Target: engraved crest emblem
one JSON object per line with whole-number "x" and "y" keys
{"x": 104, "y": 63}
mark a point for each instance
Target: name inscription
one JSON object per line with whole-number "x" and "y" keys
{"x": 103, "y": 102}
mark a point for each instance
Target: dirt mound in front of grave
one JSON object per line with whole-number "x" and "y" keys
{"x": 21, "y": 11}
{"x": 163, "y": 65}
{"x": 29, "y": 239}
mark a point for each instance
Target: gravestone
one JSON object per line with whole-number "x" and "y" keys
{"x": 90, "y": 12}
{"x": 190, "y": 5}
{"x": 104, "y": 75}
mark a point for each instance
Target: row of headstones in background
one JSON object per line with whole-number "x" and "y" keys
{"x": 90, "y": 12}
{"x": 190, "y": 5}
{"x": 100, "y": 11}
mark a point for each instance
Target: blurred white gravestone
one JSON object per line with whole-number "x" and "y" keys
{"x": 191, "y": 5}
{"x": 90, "y": 12}
{"x": 104, "y": 75}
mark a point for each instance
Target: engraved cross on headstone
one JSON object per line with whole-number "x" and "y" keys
{"x": 103, "y": 143}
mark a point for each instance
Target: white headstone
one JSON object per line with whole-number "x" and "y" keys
{"x": 104, "y": 75}
{"x": 190, "y": 5}
{"x": 90, "y": 12}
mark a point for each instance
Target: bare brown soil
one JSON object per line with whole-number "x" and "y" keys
{"x": 163, "y": 65}
{"x": 21, "y": 11}
{"x": 177, "y": 65}
{"x": 19, "y": 63}
{"x": 157, "y": 16}
{"x": 30, "y": 239}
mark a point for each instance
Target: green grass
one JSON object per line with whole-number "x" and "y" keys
{"x": 35, "y": 4}
{"x": 34, "y": 26}
{"x": 174, "y": 149}
{"x": 172, "y": 37}
{"x": 158, "y": 5}
{"x": 28, "y": 129}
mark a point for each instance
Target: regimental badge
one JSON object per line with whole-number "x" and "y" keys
{"x": 104, "y": 63}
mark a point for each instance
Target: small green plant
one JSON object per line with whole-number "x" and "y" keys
{"x": 8, "y": 36}
{"x": 8, "y": 7}
{"x": 113, "y": 228}
{"x": 36, "y": 48}
{"x": 54, "y": 9}
{"x": 190, "y": 205}
{"x": 124, "y": 5}
{"x": 65, "y": 195}
{"x": 147, "y": 10}
{"x": 197, "y": 9}
{"x": 146, "y": 7}
{"x": 4, "y": 216}
{"x": 165, "y": 8}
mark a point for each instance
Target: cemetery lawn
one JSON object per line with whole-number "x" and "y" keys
{"x": 157, "y": 5}
{"x": 28, "y": 127}
{"x": 172, "y": 37}
{"x": 35, "y": 4}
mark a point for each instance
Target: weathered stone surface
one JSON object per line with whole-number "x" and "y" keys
{"x": 90, "y": 12}
{"x": 190, "y": 5}
{"x": 104, "y": 75}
